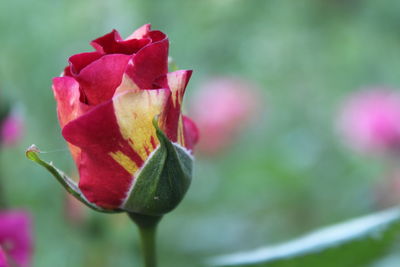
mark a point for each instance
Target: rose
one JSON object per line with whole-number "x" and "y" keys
{"x": 120, "y": 112}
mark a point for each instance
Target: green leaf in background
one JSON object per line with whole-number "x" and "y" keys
{"x": 354, "y": 243}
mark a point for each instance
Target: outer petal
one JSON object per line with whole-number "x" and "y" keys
{"x": 172, "y": 119}
{"x": 148, "y": 64}
{"x": 69, "y": 107}
{"x": 66, "y": 93}
{"x": 157, "y": 36}
{"x": 142, "y": 32}
{"x": 112, "y": 43}
{"x": 116, "y": 139}
{"x": 99, "y": 79}
{"x": 79, "y": 61}
{"x": 191, "y": 133}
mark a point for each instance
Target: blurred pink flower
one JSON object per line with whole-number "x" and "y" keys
{"x": 369, "y": 120}
{"x": 11, "y": 129}
{"x": 221, "y": 109}
{"x": 15, "y": 237}
{"x": 3, "y": 258}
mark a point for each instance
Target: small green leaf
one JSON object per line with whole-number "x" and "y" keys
{"x": 32, "y": 153}
{"x": 354, "y": 243}
{"x": 163, "y": 181}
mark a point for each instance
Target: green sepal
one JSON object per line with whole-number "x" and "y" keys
{"x": 70, "y": 185}
{"x": 164, "y": 179}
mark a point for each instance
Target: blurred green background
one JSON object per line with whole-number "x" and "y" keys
{"x": 287, "y": 174}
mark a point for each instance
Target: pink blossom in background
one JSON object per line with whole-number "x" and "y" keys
{"x": 221, "y": 109}
{"x": 11, "y": 130}
{"x": 16, "y": 236}
{"x": 3, "y": 258}
{"x": 369, "y": 120}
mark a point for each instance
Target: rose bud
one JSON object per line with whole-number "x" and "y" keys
{"x": 120, "y": 112}
{"x": 221, "y": 109}
{"x": 16, "y": 237}
{"x": 369, "y": 120}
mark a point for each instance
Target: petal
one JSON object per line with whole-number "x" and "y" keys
{"x": 145, "y": 32}
{"x": 112, "y": 43}
{"x": 115, "y": 138}
{"x": 99, "y": 79}
{"x": 142, "y": 32}
{"x": 69, "y": 107}
{"x": 191, "y": 133}
{"x": 157, "y": 36}
{"x": 67, "y": 71}
{"x": 66, "y": 92}
{"x": 79, "y": 61}
{"x": 172, "y": 118}
{"x": 148, "y": 64}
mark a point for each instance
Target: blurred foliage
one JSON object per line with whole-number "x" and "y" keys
{"x": 357, "y": 242}
{"x": 287, "y": 174}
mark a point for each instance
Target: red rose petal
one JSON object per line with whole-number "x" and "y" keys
{"x": 112, "y": 43}
{"x": 176, "y": 82}
{"x": 66, "y": 93}
{"x": 102, "y": 180}
{"x": 141, "y": 32}
{"x": 148, "y": 64}
{"x": 69, "y": 107}
{"x": 115, "y": 139}
{"x": 99, "y": 79}
{"x": 79, "y": 61}
{"x": 157, "y": 36}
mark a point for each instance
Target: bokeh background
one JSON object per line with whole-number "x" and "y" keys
{"x": 287, "y": 173}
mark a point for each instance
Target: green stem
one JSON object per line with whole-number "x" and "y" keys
{"x": 147, "y": 228}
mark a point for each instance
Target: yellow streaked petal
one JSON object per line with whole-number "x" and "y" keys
{"x": 123, "y": 160}
{"x": 127, "y": 84}
{"x": 181, "y": 137}
{"x": 176, "y": 82}
{"x": 135, "y": 111}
